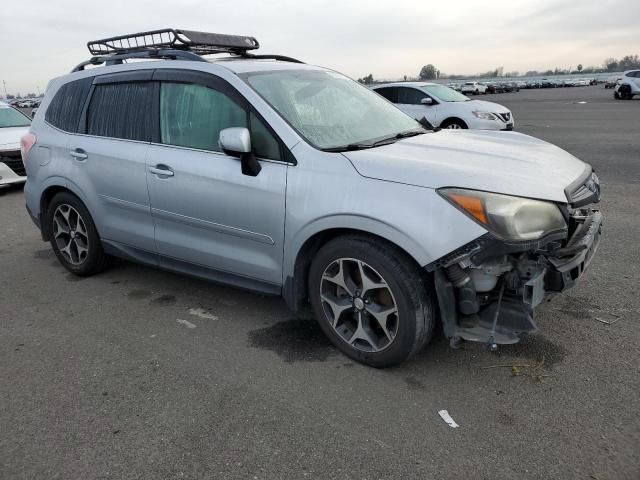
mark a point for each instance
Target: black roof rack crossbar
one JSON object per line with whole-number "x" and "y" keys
{"x": 200, "y": 43}
{"x": 117, "y": 58}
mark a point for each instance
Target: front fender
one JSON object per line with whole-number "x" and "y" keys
{"x": 352, "y": 222}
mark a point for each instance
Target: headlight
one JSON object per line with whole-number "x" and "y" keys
{"x": 507, "y": 217}
{"x": 485, "y": 115}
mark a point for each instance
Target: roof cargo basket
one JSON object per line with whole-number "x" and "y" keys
{"x": 171, "y": 44}
{"x": 200, "y": 43}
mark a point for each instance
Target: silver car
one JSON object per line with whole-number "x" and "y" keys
{"x": 268, "y": 174}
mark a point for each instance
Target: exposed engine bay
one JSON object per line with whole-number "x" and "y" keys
{"x": 488, "y": 289}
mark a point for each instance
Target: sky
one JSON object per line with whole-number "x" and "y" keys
{"x": 42, "y": 39}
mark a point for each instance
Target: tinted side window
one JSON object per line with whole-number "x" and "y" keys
{"x": 193, "y": 115}
{"x": 121, "y": 110}
{"x": 390, "y": 93}
{"x": 410, "y": 96}
{"x": 65, "y": 108}
{"x": 263, "y": 142}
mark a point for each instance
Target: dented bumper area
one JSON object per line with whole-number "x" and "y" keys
{"x": 487, "y": 290}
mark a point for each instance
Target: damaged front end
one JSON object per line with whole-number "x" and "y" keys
{"x": 487, "y": 290}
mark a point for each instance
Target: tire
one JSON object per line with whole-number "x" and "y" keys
{"x": 477, "y": 92}
{"x": 454, "y": 124}
{"x": 399, "y": 287}
{"x": 76, "y": 243}
{"x": 625, "y": 92}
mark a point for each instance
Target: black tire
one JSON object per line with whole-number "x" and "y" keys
{"x": 625, "y": 92}
{"x": 410, "y": 287}
{"x": 453, "y": 123}
{"x": 91, "y": 262}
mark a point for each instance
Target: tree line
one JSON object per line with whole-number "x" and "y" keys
{"x": 430, "y": 72}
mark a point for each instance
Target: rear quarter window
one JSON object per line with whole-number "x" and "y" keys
{"x": 66, "y": 107}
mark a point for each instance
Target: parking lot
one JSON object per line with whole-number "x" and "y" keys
{"x": 139, "y": 373}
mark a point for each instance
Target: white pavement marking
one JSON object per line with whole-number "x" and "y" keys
{"x": 202, "y": 313}
{"x": 447, "y": 418}
{"x": 186, "y": 323}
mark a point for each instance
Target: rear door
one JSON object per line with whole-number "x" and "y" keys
{"x": 115, "y": 131}
{"x": 206, "y": 212}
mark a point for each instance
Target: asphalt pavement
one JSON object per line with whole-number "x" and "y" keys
{"x": 140, "y": 373}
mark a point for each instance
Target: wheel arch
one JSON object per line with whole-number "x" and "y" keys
{"x": 295, "y": 287}
{"x": 452, "y": 119}
{"x": 55, "y": 186}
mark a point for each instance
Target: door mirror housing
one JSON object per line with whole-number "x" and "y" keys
{"x": 427, "y": 101}
{"x": 236, "y": 142}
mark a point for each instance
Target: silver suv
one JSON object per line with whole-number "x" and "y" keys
{"x": 262, "y": 172}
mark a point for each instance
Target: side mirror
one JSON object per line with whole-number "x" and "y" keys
{"x": 427, "y": 101}
{"x": 33, "y": 112}
{"x": 236, "y": 142}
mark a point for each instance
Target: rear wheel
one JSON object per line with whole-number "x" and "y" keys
{"x": 371, "y": 300}
{"x": 453, "y": 124}
{"x": 73, "y": 235}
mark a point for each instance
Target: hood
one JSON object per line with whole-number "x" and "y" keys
{"x": 10, "y": 137}
{"x": 500, "y": 162}
{"x": 482, "y": 106}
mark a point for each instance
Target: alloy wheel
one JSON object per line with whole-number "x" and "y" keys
{"x": 70, "y": 234}
{"x": 359, "y": 305}
{"x": 454, "y": 126}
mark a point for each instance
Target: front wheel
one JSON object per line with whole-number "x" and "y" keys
{"x": 73, "y": 235}
{"x": 371, "y": 300}
{"x": 453, "y": 124}
{"x": 624, "y": 92}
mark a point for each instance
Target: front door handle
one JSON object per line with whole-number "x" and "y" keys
{"x": 161, "y": 170}
{"x": 79, "y": 154}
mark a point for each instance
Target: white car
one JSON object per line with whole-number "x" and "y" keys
{"x": 474, "y": 88}
{"x": 446, "y": 108}
{"x": 628, "y": 85}
{"x": 13, "y": 125}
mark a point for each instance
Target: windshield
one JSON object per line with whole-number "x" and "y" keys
{"x": 10, "y": 117}
{"x": 328, "y": 109}
{"x": 445, "y": 94}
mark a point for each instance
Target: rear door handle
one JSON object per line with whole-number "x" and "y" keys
{"x": 161, "y": 170}
{"x": 79, "y": 154}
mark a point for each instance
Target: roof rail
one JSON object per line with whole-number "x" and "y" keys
{"x": 200, "y": 43}
{"x": 117, "y": 58}
{"x": 172, "y": 44}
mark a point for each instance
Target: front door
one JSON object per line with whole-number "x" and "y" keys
{"x": 207, "y": 214}
{"x": 410, "y": 102}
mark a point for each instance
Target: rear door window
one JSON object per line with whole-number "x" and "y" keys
{"x": 66, "y": 107}
{"x": 390, "y": 93}
{"x": 122, "y": 110}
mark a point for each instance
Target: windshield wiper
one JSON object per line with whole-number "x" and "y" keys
{"x": 397, "y": 136}
{"x": 348, "y": 148}
{"x": 377, "y": 143}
